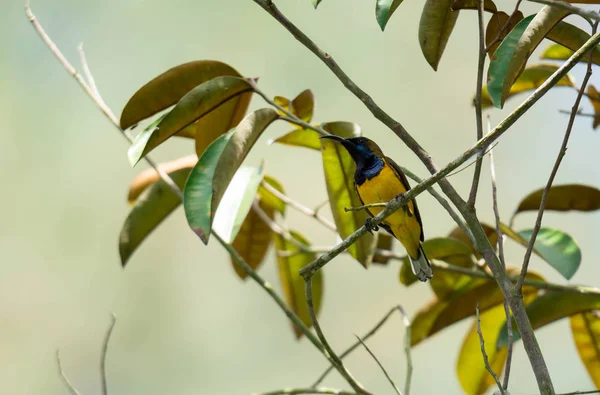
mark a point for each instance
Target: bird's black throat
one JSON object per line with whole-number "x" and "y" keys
{"x": 367, "y": 169}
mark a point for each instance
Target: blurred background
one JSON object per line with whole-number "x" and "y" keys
{"x": 185, "y": 323}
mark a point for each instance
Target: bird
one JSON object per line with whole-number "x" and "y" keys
{"x": 378, "y": 179}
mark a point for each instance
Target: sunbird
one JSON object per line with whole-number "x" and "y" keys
{"x": 378, "y": 179}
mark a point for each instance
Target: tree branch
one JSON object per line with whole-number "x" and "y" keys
{"x": 478, "y": 108}
{"x": 334, "y": 358}
{"x": 485, "y": 357}
{"x": 587, "y": 14}
{"x": 561, "y": 154}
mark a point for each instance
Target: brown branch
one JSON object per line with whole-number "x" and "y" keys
{"x": 587, "y": 14}
{"x": 478, "y": 107}
{"x": 334, "y": 358}
{"x": 503, "y": 262}
{"x": 559, "y": 158}
{"x": 64, "y": 377}
{"x": 484, "y": 354}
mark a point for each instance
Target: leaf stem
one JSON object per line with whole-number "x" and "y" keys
{"x": 484, "y": 354}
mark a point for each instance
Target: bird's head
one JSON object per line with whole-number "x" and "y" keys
{"x": 362, "y": 150}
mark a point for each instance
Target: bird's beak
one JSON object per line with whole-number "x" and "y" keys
{"x": 349, "y": 145}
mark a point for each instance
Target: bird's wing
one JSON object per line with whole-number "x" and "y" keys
{"x": 406, "y": 184}
{"x": 384, "y": 226}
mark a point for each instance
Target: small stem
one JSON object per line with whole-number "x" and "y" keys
{"x": 485, "y": 357}
{"x": 308, "y": 391}
{"x": 503, "y": 262}
{"x": 366, "y": 206}
{"x": 394, "y": 386}
{"x": 478, "y": 108}
{"x": 64, "y": 377}
{"x": 300, "y": 207}
{"x": 104, "y": 352}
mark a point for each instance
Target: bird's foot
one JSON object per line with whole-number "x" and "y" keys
{"x": 405, "y": 206}
{"x": 370, "y": 226}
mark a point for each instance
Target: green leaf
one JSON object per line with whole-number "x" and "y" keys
{"x": 572, "y": 38}
{"x": 195, "y": 104}
{"x": 149, "y": 176}
{"x": 268, "y": 198}
{"x": 253, "y": 238}
{"x": 514, "y": 51}
{"x": 385, "y": 243}
{"x": 553, "y": 306}
{"x": 384, "y": 10}
{"x": 488, "y": 5}
{"x": 435, "y": 27}
{"x": 154, "y": 204}
{"x": 460, "y": 304}
{"x": 531, "y": 78}
{"x": 168, "y": 88}
{"x": 444, "y": 249}
{"x": 563, "y": 198}
{"x": 236, "y": 202}
{"x": 557, "y": 52}
{"x": 558, "y": 249}
{"x": 501, "y": 62}
{"x": 291, "y": 281}
{"x": 472, "y": 373}
{"x": 307, "y": 138}
{"x": 339, "y": 178}
{"x": 496, "y": 23}
{"x": 316, "y": 3}
{"x": 215, "y": 169}
{"x": 586, "y": 333}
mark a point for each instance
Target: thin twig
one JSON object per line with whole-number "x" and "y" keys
{"x": 561, "y": 154}
{"x": 581, "y": 392}
{"x": 380, "y": 365}
{"x": 502, "y": 260}
{"x": 407, "y": 351}
{"x": 485, "y": 357}
{"x": 103, "y": 354}
{"x": 335, "y": 359}
{"x": 354, "y": 346}
{"x": 308, "y": 391}
{"x": 93, "y": 95}
{"x": 478, "y": 108}
{"x": 87, "y": 72}
{"x": 587, "y": 14}
{"x": 300, "y": 207}
{"x": 64, "y": 377}
{"x": 366, "y": 206}
{"x": 579, "y": 113}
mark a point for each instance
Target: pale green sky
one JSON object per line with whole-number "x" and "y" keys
{"x": 186, "y": 324}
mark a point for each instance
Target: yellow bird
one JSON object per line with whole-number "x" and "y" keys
{"x": 378, "y": 179}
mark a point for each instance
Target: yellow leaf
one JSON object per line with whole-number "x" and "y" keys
{"x": 586, "y": 333}
{"x": 291, "y": 281}
{"x": 339, "y": 177}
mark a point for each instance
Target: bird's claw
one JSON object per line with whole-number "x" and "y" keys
{"x": 370, "y": 226}
{"x": 405, "y": 206}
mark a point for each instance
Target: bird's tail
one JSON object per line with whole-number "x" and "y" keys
{"x": 420, "y": 266}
